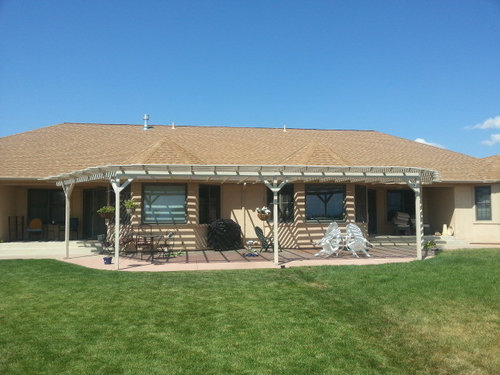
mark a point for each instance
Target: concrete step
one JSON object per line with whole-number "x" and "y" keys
{"x": 47, "y": 249}
{"x": 35, "y": 245}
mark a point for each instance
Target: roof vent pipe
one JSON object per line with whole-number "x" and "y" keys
{"x": 146, "y": 119}
{"x": 173, "y": 125}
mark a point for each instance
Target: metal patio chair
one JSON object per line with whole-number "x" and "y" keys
{"x": 265, "y": 243}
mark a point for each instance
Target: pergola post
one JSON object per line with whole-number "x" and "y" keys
{"x": 416, "y": 186}
{"x": 68, "y": 189}
{"x": 275, "y": 188}
{"x": 117, "y": 188}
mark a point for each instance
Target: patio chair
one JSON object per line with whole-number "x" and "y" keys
{"x": 165, "y": 244}
{"x": 127, "y": 242}
{"x": 355, "y": 241}
{"x": 35, "y": 226}
{"x": 265, "y": 243}
{"x": 331, "y": 241}
{"x": 401, "y": 221}
{"x": 106, "y": 245}
{"x": 141, "y": 237}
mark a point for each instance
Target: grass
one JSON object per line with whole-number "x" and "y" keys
{"x": 438, "y": 316}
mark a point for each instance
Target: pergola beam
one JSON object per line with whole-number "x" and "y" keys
{"x": 275, "y": 187}
{"x": 416, "y": 185}
{"x": 380, "y": 174}
{"x": 117, "y": 188}
{"x": 68, "y": 189}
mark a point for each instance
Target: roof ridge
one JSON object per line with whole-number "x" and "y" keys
{"x": 218, "y": 126}
{"x": 174, "y": 147}
{"x": 149, "y": 151}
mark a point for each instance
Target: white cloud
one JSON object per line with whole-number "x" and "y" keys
{"x": 494, "y": 138}
{"x": 421, "y": 140}
{"x": 491, "y": 123}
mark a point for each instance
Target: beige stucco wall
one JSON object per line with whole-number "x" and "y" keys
{"x": 453, "y": 205}
{"x": 464, "y": 219}
{"x": 8, "y": 208}
{"x": 238, "y": 202}
{"x": 438, "y": 207}
{"x": 14, "y": 202}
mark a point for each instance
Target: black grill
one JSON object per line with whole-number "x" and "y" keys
{"x": 224, "y": 234}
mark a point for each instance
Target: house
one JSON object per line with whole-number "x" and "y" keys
{"x": 183, "y": 177}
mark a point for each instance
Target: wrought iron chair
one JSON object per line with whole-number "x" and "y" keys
{"x": 265, "y": 242}
{"x": 165, "y": 244}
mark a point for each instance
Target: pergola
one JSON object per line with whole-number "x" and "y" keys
{"x": 273, "y": 176}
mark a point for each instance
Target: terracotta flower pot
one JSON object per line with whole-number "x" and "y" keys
{"x": 263, "y": 217}
{"x": 107, "y": 215}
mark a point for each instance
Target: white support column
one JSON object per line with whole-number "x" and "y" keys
{"x": 416, "y": 186}
{"x": 68, "y": 189}
{"x": 275, "y": 188}
{"x": 117, "y": 188}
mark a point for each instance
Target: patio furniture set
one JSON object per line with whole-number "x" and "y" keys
{"x": 141, "y": 240}
{"x": 334, "y": 241}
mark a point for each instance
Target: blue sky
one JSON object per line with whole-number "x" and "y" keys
{"x": 414, "y": 69}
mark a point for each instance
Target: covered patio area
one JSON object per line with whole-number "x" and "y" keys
{"x": 272, "y": 176}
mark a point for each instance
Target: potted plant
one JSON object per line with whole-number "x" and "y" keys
{"x": 263, "y": 213}
{"x": 430, "y": 245}
{"x": 130, "y": 206}
{"x": 107, "y": 212}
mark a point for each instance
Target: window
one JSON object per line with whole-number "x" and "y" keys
{"x": 483, "y": 202}
{"x": 285, "y": 203}
{"x": 47, "y": 205}
{"x": 360, "y": 203}
{"x": 325, "y": 202}
{"x": 209, "y": 198}
{"x": 164, "y": 204}
{"x": 400, "y": 201}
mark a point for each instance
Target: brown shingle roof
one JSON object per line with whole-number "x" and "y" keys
{"x": 494, "y": 165}
{"x": 68, "y": 147}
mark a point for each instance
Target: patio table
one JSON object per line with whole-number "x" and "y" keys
{"x": 150, "y": 240}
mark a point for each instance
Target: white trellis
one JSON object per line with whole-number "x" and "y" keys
{"x": 273, "y": 176}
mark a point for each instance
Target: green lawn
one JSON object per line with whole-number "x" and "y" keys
{"x": 438, "y": 316}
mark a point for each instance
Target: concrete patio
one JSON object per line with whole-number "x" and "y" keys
{"x": 87, "y": 254}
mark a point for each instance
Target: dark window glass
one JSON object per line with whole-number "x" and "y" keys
{"x": 285, "y": 203}
{"x": 483, "y": 202}
{"x": 47, "y": 205}
{"x": 360, "y": 203}
{"x": 164, "y": 204}
{"x": 209, "y": 199}
{"x": 325, "y": 202}
{"x": 400, "y": 201}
